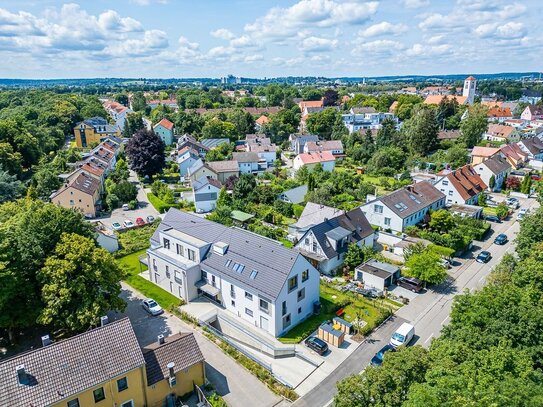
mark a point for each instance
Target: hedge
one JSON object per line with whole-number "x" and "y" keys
{"x": 441, "y": 250}
{"x": 159, "y": 204}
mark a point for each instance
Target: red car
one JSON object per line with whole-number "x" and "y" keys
{"x": 140, "y": 222}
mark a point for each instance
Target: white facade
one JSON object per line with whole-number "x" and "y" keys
{"x": 205, "y": 198}
{"x": 326, "y": 165}
{"x": 470, "y": 85}
{"x": 485, "y": 173}
{"x": 452, "y": 196}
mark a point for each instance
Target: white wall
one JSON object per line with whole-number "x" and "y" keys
{"x": 378, "y": 219}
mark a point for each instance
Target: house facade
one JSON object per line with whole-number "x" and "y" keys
{"x": 376, "y": 274}
{"x": 90, "y": 132}
{"x": 480, "y": 154}
{"x": 533, "y": 147}
{"x": 206, "y": 191}
{"x": 297, "y": 141}
{"x": 404, "y": 207}
{"x": 462, "y": 186}
{"x": 224, "y": 169}
{"x": 81, "y": 192}
{"x": 501, "y": 133}
{"x": 310, "y": 160}
{"x": 200, "y": 169}
{"x": 164, "y": 129}
{"x": 496, "y": 167}
{"x": 250, "y": 162}
{"x": 186, "y": 157}
{"x": 532, "y": 112}
{"x": 192, "y": 257}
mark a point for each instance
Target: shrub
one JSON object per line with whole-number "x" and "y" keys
{"x": 133, "y": 204}
{"x": 159, "y": 204}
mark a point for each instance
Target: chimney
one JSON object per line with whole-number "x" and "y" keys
{"x": 22, "y": 377}
{"x": 160, "y": 339}
{"x": 170, "y": 367}
{"x": 46, "y": 340}
{"x": 104, "y": 320}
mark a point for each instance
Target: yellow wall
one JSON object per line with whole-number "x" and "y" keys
{"x": 135, "y": 392}
{"x": 477, "y": 159}
{"x": 92, "y": 137}
{"x": 85, "y": 206}
{"x": 158, "y": 392}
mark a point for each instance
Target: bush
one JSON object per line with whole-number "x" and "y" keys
{"x": 297, "y": 210}
{"x": 159, "y": 204}
{"x": 132, "y": 204}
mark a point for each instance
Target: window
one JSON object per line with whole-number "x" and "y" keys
{"x": 99, "y": 395}
{"x": 249, "y": 312}
{"x": 129, "y": 403}
{"x": 305, "y": 275}
{"x": 450, "y": 193}
{"x": 238, "y": 267}
{"x": 378, "y": 208}
{"x": 314, "y": 248}
{"x": 299, "y": 310}
{"x": 157, "y": 277}
{"x": 180, "y": 250}
{"x": 190, "y": 254}
{"x": 249, "y": 296}
{"x": 387, "y": 221}
{"x": 228, "y": 262}
{"x": 284, "y": 308}
{"x": 73, "y": 403}
{"x": 307, "y": 241}
{"x": 292, "y": 283}
{"x": 166, "y": 243}
{"x": 445, "y": 182}
{"x": 213, "y": 283}
{"x": 264, "y": 306}
{"x": 233, "y": 303}
{"x": 168, "y": 272}
{"x": 154, "y": 265}
{"x": 286, "y": 321}
{"x": 232, "y": 291}
{"x": 301, "y": 294}
{"x": 204, "y": 275}
{"x": 253, "y": 274}
{"x": 122, "y": 384}
{"x": 71, "y": 202}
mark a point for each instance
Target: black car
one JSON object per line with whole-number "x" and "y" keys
{"x": 501, "y": 239}
{"x": 411, "y": 283}
{"x": 483, "y": 257}
{"x": 493, "y": 218}
{"x": 377, "y": 360}
{"x": 317, "y": 345}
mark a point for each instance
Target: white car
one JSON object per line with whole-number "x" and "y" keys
{"x": 522, "y": 213}
{"x": 128, "y": 223}
{"x": 152, "y": 307}
{"x": 445, "y": 263}
{"x": 116, "y": 226}
{"x": 125, "y": 207}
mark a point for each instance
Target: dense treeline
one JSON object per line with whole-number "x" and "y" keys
{"x": 490, "y": 353}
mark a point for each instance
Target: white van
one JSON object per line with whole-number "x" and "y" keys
{"x": 403, "y": 335}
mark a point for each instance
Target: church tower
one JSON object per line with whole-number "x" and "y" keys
{"x": 470, "y": 85}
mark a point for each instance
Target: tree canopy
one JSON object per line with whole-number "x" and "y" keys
{"x": 145, "y": 152}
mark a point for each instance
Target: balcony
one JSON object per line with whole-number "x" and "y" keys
{"x": 178, "y": 280}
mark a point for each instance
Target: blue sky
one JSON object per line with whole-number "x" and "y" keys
{"x": 260, "y": 38}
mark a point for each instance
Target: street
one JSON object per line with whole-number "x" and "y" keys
{"x": 428, "y": 312}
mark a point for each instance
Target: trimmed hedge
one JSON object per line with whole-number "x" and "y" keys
{"x": 159, "y": 204}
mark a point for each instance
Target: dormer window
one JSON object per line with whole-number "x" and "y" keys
{"x": 166, "y": 243}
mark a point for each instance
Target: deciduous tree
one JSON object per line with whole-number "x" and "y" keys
{"x": 473, "y": 127}
{"x": 145, "y": 152}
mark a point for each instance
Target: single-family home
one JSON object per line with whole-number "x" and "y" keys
{"x": 480, "y": 154}
{"x": 71, "y": 372}
{"x": 363, "y": 118}
{"x": 499, "y": 114}
{"x": 310, "y": 160}
{"x": 501, "y": 133}
{"x": 312, "y": 215}
{"x": 263, "y": 147}
{"x": 186, "y": 140}
{"x": 200, "y": 169}
{"x": 515, "y": 123}
{"x": 461, "y": 186}
{"x": 117, "y": 112}
{"x": 497, "y": 167}
{"x": 92, "y": 131}
{"x": 532, "y": 146}
{"x": 532, "y": 112}
{"x": 171, "y": 103}
{"x": 224, "y": 169}
{"x": 206, "y": 191}
{"x": 164, "y": 129}
{"x": 310, "y": 106}
{"x": 253, "y": 277}
{"x": 449, "y": 135}
{"x": 81, "y": 192}
{"x": 334, "y": 146}
{"x": 297, "y": 141}
{"x": 186, "y": 157}
{"x": 294, "y": 195}
{"x": 261, "y": 122}
{"x": 325, "y": 244}
{"x": 376, "y": 274}
{"x": 250, "y": 162}
{"x": 404, "y": 207}
{"x": 515, "y": 156}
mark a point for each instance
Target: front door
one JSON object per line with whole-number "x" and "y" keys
{"x": 264, "y": 323}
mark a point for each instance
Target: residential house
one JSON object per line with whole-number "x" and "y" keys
{"x": 480, "y": 154}
{"x": 250, "y": 162}
{"x": 117, "y": 112}
{"x": 363, "y": 118}
{"x": 312, "y": 215}
{"x": 515, "y": 156}
{"x": 171, "y": 103}
{"x": 224, "y": 169}
{"x": 499, "y": 114}
{"x": 164, "y": 129}
{"x": 325, "y": 244}
{"x": 530, "y": 96}
{"x": 436, "y": 99}
{"x": 376, "y": 274}
{"x": 81, "y": 192}
{"x": 186, "y": 140}
{"x": 501, "y": 133}
{"x": 103, "y": 365}
{"x": 310, "y": 160}
{"x": 310, "y": 106}
{"x": 91, "y": 131}
{"x": 297, "y": 141}
{"x": 497, "y": 167}
{"x": 263, "y": 147}
{"x": 449, "y": 135}
{"x": 192, "y": 257}
{"x": 294, "y": 195}
{"x": 186, "y": 157}
{"x": 404, "y": 207}
{"x": 334, "y": 146}
{"x": 533, "y": 147}
{"x": 261, "y": 122}
{"x": 206, "y": 191}
{"x": 200, "y": 169}
{"x": 105, "y": 237}
{"x": 515, "y": 123}
{"x": 92, "y": 167}
{"x": 461, "y": 186}
{"x": 532, "y": 112}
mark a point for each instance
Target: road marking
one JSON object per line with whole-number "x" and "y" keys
{"x": 442, "y": 322}
{"x": 430, "y": 337}
{"x": 329, "y": 403}
{"x": 482, "y": 278}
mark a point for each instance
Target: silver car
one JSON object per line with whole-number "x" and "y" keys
{"x": 152, "y": 307}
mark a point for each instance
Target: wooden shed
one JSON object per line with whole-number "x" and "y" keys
{"x": 344, "y": 326}
{"x": 331, "y": 335}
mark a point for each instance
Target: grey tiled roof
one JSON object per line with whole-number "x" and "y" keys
{"x": 269, "y": 258}
{"x": 412, "y": 198}
{"x": 224, "y": 166}
{"x": 497, "y": 164}
{"x": 313, "y": 214}
{"x": 245, "y": 157}
{"x": 63, "y": 369}
{"x": 181, "y": 349}
{"x": 296, "y": 195}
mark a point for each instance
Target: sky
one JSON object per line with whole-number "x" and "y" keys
{"x": 260, "y": 38}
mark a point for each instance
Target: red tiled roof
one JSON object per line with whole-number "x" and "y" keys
{"x": 467, "y": 182}
{"x": 165, "y": 123}
{"x": 499, "y": 112}
{"x": 479, "y": 151}
{"x": 312, "y": 158}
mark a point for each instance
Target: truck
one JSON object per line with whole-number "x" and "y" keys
{"x": 403, "y": 335}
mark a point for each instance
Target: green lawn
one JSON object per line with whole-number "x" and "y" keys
{"x": 131, "y": 265}
{"x": 332, "y": 300}
{"x": 489, "y": 211}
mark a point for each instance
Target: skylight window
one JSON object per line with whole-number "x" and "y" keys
{"x": 228, "y": 262}
{"x": 401, "y": 206}
{"x": 253, "y": 274}
{"x": 238, "y": 267}
{"x": 414, "y": 198}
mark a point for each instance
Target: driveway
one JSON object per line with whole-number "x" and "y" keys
{"x": 238, "y": 387}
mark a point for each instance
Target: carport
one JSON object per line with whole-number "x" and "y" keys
{"x": 377, "y": 274}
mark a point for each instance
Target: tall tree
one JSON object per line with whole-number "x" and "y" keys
{"x": 354, "y": 256}
{"x": 133, "y": 123}
{"x": 386, "y": 135}
{"x": 473, "y": 127}
{"x": 323, "y": 123}
{"x": 426, "y": 267}
{"x": 80, "y": 282}
{"x": 330, "y": 97}
{"x": 145, "y": 152}
{"x": 421, "y": 131}
{"x": 10, "y": 187}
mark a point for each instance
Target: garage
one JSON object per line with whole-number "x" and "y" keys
{"x": 376, "y": 274}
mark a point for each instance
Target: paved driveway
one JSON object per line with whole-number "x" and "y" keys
{"x": 238, "y": 387}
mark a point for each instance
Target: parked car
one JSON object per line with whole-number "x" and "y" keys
{"x": 411, "y": 283}
{"x": 493, "y": 218}
{"x": 128, "y": 223}
{"x": 501, "y": 239}
{"x": 522, "y": 213}
{"x": 377, "y": 360}
{"x": 513, "y": 203}
{"x": 140, "y": 221}
{"x": 116, "y": 226}
{"x": 445, "y": 263}
{"x": 483, "y": 257}
{"x": 403, "y": 335}
{"x": 317, "y": 345}
{"x": 152, "y": 307}
{"x": 125, "y": 207}
{"x": 150, "y": 219}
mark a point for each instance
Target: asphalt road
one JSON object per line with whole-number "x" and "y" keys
{"x": 428, "y": 312}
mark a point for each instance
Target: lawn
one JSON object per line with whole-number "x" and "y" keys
{"x": 131, "y": 265}
{"x": 489, "y": 211}
{"x": 371, "y": 311}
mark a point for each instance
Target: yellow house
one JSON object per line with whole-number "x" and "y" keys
{"x": 103, "y": 367}
{"x": 80, "y": 192}
{"x": 91, "y": 131}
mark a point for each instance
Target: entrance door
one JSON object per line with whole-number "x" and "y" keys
{"x": 264, "y": 323}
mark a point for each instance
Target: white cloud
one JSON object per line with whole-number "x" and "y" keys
{"x": 511, "y": 30}
{"x": 317, "y": 44}
{"x": 419, "y": 50}
{"x": 435, "y": 39}
{"x": 185, "y": 43}
{"x": 383, "y": 28}
{"x": 153, "y": 40}
{"x": 148, "y": 2}
{"x": 380, "y": 47}
{"x": 416, "y": 3}
{"x": 253, "y": 58}
{"x": 221, "y": 52}
{"x": 243, "y": 42}
{"x": 223, "y": 34}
